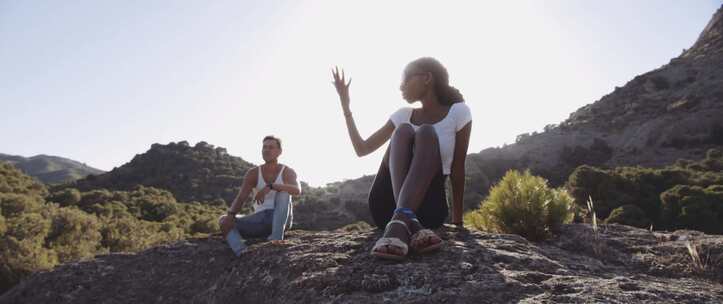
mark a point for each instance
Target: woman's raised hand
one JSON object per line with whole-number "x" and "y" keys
{"x": 342, "y": 88}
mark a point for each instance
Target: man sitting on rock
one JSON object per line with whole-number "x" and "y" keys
{"x": 272, "y": 184}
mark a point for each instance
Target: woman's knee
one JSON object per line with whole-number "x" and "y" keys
{"x": 404, "y": 130}
{"x": 426, "y": 133}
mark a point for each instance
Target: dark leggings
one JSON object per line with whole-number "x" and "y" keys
{"x": 431, "y": 213}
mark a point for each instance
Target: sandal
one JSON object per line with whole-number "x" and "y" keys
{"x": 427, "y": 236}
{"x": 391, "y": 242}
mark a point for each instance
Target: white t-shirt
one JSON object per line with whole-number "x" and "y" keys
{"x": 457, "y": 118}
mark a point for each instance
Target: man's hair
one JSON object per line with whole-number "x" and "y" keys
{"x": 271, "y": 137}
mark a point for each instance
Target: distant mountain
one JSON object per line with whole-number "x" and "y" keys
{"x": 192, "y": 173}
{"x": 50, "y": 169}
{"x": 673, "y": 112}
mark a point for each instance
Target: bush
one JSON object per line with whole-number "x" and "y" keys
{"x": 658, "y": 193}
{"x": 12, "y": 205}
{"x": 630, "y": 215}
{"x": 14, "y": 181}
{"x": 95, "y": 197}
{"x": 603, "y": 187}
{"x": 156, "y": 211}
{"x": 74, "y": 235}
{"x": 3, "y": 226}
{"x": 66, "y": 197}
{"x": 693, "y": 207}
{"x": 109, "y": 209}
{"x": 22, "y": 248}
{"x": 523, "y": 204}
{"x": 205, "y": 225}
{"x": 20, "y": 258}
{"x": 28, "y": 226}
{"x": 126, "y": 234}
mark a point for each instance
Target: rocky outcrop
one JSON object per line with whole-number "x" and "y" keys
{"x": 617, "y": 264}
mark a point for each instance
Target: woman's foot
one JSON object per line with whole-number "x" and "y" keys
{"x": 422, "y": 239}
{"x": 394, "y": 243}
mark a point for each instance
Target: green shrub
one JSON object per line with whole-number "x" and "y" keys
{"x": 110, "y": 209}
{"x": 205, "y": 225}
{"x": 654, "y": 192}
{"x": 603, "y": 187}
{"x": 22, "y": 248}
{"x": 74, "y": 235}
{"x": 523, "y": 204}
{"x": 630, "y": 215}
{"x": 28, "y": 226}
{"x": 12, "y": 205}
{"x": 14, "y": 181}
{"x": 20, "y": 258}
{"x": 126, "y": 234}
{"x": 3, "y": 226}
{"x": 693, "y": 207}
{"x": 95, "y": 197}
{"x": 66, "y": 197}
{"x": 156, "y": 211}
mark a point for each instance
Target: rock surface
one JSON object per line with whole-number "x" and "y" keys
{"x": 619, "y": 264}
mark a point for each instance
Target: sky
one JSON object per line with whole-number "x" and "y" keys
{"x": 101, "y": 81}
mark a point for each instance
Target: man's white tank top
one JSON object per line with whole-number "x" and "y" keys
{"x": 271, "y": 196}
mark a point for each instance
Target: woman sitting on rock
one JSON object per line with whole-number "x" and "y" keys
{"x": 427, "y": 144}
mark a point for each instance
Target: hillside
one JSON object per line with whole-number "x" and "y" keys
{"x": 673, "y": 112}
{"x": 192, "y": 173}
{"x": 50, "y": 169}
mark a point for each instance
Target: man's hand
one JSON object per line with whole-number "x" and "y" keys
{"x": 259, "y": 198}
{"x": 227, "y": 223}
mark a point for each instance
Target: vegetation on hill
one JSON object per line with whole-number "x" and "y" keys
{"x": 40, "y": 230}
{"x": 191, "y": 173}
{"x": 686, "y": 195}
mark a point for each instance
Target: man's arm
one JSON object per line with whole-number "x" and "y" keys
{"x": 290, "y": 185}
{"x": 243, "y": 194}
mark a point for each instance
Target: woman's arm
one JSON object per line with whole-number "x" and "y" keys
{"x": 361, "y": 146}
{"x": 457, "y": 175}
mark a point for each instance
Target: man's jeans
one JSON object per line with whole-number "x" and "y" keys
{"x": 283, "y": 215}
{"x": 271, "y": 222}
